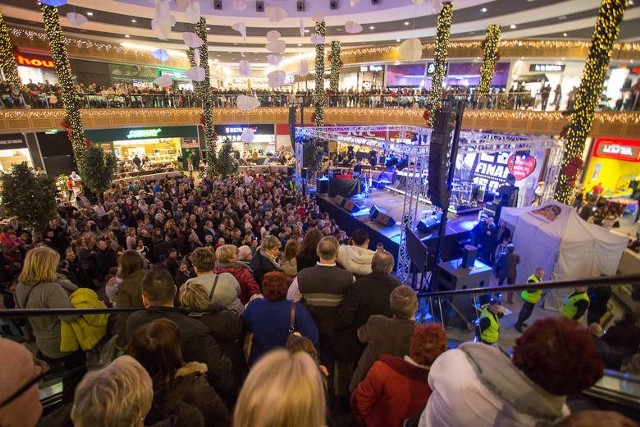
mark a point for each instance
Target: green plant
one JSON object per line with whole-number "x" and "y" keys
{"x": 29, "y": 197}
{"x": 97, "y": 169}
{"x": 226, "y": 164}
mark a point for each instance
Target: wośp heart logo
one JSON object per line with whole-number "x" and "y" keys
{"x": 521, "y": 166}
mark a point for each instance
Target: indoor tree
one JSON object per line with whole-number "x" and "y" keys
{"x": 98, "y": 170}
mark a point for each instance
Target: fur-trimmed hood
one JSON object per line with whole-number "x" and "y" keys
{"x": 191, "y": 368}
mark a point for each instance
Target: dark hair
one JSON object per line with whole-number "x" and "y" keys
{"x": 558, "y": 356}
{"x": 157, "y": 347}
{"x": 158, "y": 286}
{"x": 275, "y": 285}
{"x": 310, "y": 242}
{"x": 130, "y": 262}
{"x": 359, "y": 236}
{"x": 427, "y": 343}
{"x": 290, "y": 249}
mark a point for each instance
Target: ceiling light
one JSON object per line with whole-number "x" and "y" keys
{"x": 208, "y": 28}
{"x": 89, "y": 13}
{"x": 631, "y": 61}
{"x": 513, "y": 26}
{"x": 630, "y": 2}
{"x": 299, "y": 44}
{"x": 371, "y": 27}
{"x": 483, "y": 10}
{"x": 306, "y": 30}
{"x": 397, "y": 40}
{"x": 564, "y": 34}
{"x": 562, "y": 17}
{"x": 406, "y": 22}
{"x": 126, "y": 36}
{"x": 563, "y": 58}
{"x": 134, "y": 21}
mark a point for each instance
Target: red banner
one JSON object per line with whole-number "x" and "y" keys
{"x": 627, "y": 150}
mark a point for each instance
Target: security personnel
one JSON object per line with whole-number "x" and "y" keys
{"x": 488, "y": 325}
{"x": 529, "y": 299}
{"x": 576, "y": 304}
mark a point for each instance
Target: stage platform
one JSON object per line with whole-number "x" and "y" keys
{"x": 457, "y": 233}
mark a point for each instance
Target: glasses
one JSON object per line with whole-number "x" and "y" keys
{"x": 44, "y": 368}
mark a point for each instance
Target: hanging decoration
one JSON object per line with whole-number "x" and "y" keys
{"x": 195, "y": 73}
{"x": 489, "y": 57}
{"x": 53, "y": 3}
{"x": 76, "y": 19}
{"x": 240, "y": 27}
{"x": 244, "y": 67}
{"x": 247, "y": 135}
{"x": 7, "y": 59}
{"x": 604, "y": 35}
{"x": 274, "y": 59}
{"x": 58, "y": 49}
{"x": 192, "y": 13}
{"x": 276, "y": 78}
{"x": 276, "y": 46}
{"x": 318, "y": 94}
{"x": 191, "y": 39}
{"x": 160, "y": 54}
{"x": 410, "y": 50}
{"x": 352, "y": 27}
{"x": 239, "y": 5}
{"x": 247, "y": 103}
{"x": 303, "y": 68}
{"x": 275, "y": 14}
{"x": 336, "y": 65}
{"x": 443, "y": 33}
{"x": 162, "y": 81}
{"x": 302, "y": 28}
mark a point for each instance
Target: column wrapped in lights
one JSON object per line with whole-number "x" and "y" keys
{"x": 318, "y": 94}
{"x": 7, "y": 59}
{"x": 207, "y": 99}
{"x": 336, "y": 65}
{"x": 604, "y": 35}
{"x": 489, "y": 58}
{"x": 58, "y": 48}
{"x": 443, "y": 32}
{"x": 191, "y": 56}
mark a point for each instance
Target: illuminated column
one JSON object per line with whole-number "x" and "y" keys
{"x": 440, "y": 58}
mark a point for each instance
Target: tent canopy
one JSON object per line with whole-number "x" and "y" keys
{"x": 554, "y": 237}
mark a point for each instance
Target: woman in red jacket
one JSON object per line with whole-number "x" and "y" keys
{"x": 397, "y": 388}
{"x": 227, "y": 262}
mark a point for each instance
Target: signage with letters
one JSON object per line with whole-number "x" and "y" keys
{"x": 615, "y": 148}
{"x": 143, "y": 133}
{"x": 431, "y": 68}
{"x": 372, "y": 68}
{"x": 11, "y": 141}
{"x": 34, "y": 61}
{"x": 124, "y": 134}
{"x": 237, "y": 129}
{"x": 546, "y": 68}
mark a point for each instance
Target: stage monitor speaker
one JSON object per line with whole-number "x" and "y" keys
{"x": 351, "y": 206}
{"x": 259, "y": 5}
{"x": 373, "y": 211}
{"x": 428, "y": 225}
{"x": 385, "y": 219}
{"x": 217, "y": 4}
{"x": 300, "y": 7}
{"x": 340, "y": 200}
{"x": 470, "y": 253}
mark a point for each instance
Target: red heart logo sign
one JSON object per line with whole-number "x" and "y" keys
{"x": 521, "y": 168}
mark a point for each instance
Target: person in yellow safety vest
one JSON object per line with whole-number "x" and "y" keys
{"x": 489, "y": 325}
{"x": 529, "y": 299}
{"x": 576, "y": 304}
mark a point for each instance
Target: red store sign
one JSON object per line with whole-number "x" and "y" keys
{"x": 627, "y": 150}
{"x": 35, "y": 61}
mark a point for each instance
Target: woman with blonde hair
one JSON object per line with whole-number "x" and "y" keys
{"x": 227, "y": 261}
{"x": 40, "y": 286}
{"x": 282, "y": 389}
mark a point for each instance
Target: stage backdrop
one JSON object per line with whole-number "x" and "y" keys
{"x": 490, "y": 170}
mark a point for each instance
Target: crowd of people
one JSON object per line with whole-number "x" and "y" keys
{"x": 250, "y": 307}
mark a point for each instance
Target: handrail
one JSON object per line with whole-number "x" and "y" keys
{"x": 11, "y": 313}
{"x": 593, "y": 281}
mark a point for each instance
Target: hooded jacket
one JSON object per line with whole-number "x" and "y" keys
{"x": 87, "y": 330}
{"x": 355, "y": 259}
{"x": 242, "y": 273}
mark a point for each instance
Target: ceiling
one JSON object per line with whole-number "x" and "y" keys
{"x": 384, "y": 22}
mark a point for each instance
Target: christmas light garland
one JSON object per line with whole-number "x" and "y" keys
{"x": 7, "y": 59}
{"x": 443, "y": 33}
{"x": 207, "y": 101}
{"x": 336, "y": 65}
{"x": 58, "y": 48}
{"x": 605, "y": 34}
{"x": 318, "y": 93}
{"x": 489, "y": 58}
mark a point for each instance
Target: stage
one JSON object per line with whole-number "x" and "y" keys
{"x": 457, "y": 233}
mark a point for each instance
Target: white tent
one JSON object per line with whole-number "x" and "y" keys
{"x": 554, "y": 237}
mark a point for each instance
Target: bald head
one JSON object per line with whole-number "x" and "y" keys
{"x": 382, "y": 262}
{"x": 16, "y": 370}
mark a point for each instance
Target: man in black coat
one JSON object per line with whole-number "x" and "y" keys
{"x": 367, "y": 296}
{"x": 158, "y": 293}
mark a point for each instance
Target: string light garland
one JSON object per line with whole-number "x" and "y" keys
{"x": 207, "y": 100}
{"x": 489, "y": 58}
{"x": 336, "y": 65}
{"x": 73, "y": 121}
{"x": 7, "y": 59}
{"x": 443, "y": 33}
{"x": 318, "y": 93}
{"x": 605, "y": 34}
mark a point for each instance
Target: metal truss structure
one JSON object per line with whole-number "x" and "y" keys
{"x": 413, "y": 142}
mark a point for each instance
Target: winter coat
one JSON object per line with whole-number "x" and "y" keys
{"x": 242, "y": 273}
{"x": 87, "y": 330}
{"x": 262, "y": 264}
{"x": 355, "y": 259}
{"x": 129, "y": 296}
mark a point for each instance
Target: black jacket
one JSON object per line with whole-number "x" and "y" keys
{"x": 261, "y": 265}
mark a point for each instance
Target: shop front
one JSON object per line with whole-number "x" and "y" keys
{"x": 615, "y": 165}
{"x": 156, "y": 147}
{"x": 13, "y": 150}
{"x": 263, "y": 143}
{"x": 36, "y": 68}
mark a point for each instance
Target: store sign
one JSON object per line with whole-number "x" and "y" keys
{"x": 237, "y": 129}
{"x": 619, "y": 149}
{"x": 372, "y": 68}
{"x": 431, "y": 68}
{"x": 12, "y": 141}
{"x": 542, "y": 68}
{"x": 35, "y": 61}
{"x": 143, "y": 133}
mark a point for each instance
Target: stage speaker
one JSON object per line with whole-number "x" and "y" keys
{"x": 334, "y": 4}
{"x": 259, "y": 5}
{"x": 403, "y": 164}
{"x": 376, "y": 2}
{"x": 469, "y": 255}
{"x": 340, "y": 200}
{"x": 439, "y": 147}
{"x": 351, "y": 206}
{"x": 385, "y": 219}
{"x": 217, "y": 4}
{"x": 304, "y": 173}
{"x": 428, "y": 225}
{"x": 373, "y": 212}
{"x": 300, "y": 6}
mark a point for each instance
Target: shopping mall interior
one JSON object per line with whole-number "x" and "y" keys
{"x": 178, "y": 178}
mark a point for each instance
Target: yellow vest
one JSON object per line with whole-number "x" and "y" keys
{"x": 490, "y": 335}
{"x": 569, "y": 308}
{"x": 534, "y": 295}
